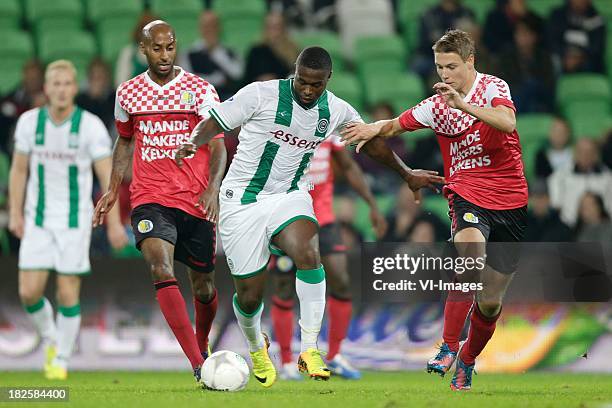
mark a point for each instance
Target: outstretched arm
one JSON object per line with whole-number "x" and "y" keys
{"x": 358, "y": 182}
{"x": 361, "y": 133}
{"x": 416, "y": 179}
{"x": 122, "y": 156}
{"x": 202, "y": 134}
{"x": 209, "y": 199}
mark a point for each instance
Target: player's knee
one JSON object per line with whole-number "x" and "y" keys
{"x": 28, "y": 296}
{"x": 249, "y": 302}
{"x": 204, "y": 291}
{"x": 308, "y": 257}
{"x": 490, "y": 307}
{"x": 161, "y": 271}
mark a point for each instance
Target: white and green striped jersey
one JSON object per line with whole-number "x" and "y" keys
{"x": 278, "y": 136}
{"x": 58, "y": 193}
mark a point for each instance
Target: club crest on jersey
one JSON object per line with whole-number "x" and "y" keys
{"x": 145, "y": 226}
{"x": 322, "y": 125}
{"x": 187, "y": 98}
{"x": 469, "y": 217}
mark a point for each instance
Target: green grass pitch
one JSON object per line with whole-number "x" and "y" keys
{"x": 384, "y": 390}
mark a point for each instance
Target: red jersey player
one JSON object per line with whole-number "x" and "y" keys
{"x": 473, "y": 117}
{"x": 174, "y": 209}
{"x": 339, "y": 307}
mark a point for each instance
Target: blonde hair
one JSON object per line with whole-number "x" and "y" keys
{"x": 61, "y": 65}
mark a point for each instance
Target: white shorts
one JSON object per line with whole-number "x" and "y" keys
{"x": 63, "y": 250}
{"x": 246, "y": 230}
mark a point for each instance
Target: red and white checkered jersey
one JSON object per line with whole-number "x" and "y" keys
{"x": 321, "y": 175}
{"x": 482, "y": 164}
{"x": 161, "y": 118}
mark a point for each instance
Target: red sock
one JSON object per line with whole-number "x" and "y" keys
{"x": 204, "y": 316}
{"x": 339, "y": 319}
{"x": 282, "y": 320}
{"x": 481, "y": 331}
{"x": 456, "y": 309}
{"x": 173, "y": 307}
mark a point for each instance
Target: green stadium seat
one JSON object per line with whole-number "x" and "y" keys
{"x": 346, "y": 86}
{"x": 408, "y": 14}
{"x": 436, "y": 205}
{"x": 10, "y": 14}
{"x": 234, "y": 8}
{"x": 582, "y": 87}
{"x": 57, "y": 13}
{"x": 11, "y": 77}
{"x": 241, "y": 40}
{"x": 401, "y": 90}
{"x": 17, "y": 47}
{"x": 593, "y": 126}
{"x": 379, "y": 48}
{"x": 112, "y": 35}
{"x": 102, "y": 11}
{"x": 328, "y": 40}
{"x": 76, "y": 46}
{"x": 185, "y": 28}
{"x": 533, "y": 128}
{"x": 604, "y": 7}
{"x": 46, "y": 25}
{"x": 177, "y": 8}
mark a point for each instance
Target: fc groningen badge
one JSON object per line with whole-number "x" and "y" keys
{"x": 322, "y": 125}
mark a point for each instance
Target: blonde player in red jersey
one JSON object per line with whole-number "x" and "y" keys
{"x": 473, "y": 117}
{"x": 333, "y": 258}
{"x": 174, "y": 209}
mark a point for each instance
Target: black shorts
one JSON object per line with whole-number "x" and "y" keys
{"x": 495, "y": 225}
{"x": 330, "y": 242}
{"x": 194, "y": 238}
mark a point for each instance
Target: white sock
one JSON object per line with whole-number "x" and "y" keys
{"x": 310, "y": 288}
{"x": 68, "y": 324}
{"x": 250, "y": 325}
{"x": 41, "y": 315}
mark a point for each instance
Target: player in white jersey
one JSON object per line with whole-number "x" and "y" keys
{"x": 264, "y": 201}
{"x": 56, "y": 145}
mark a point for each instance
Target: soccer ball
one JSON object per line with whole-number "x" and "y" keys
{"x": 225, "y": 371}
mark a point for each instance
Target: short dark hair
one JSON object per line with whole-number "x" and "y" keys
{"x": 456, "y": 41}
{"x": 315, "y": 58}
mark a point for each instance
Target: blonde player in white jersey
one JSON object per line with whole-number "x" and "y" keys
{"x": 264, "y": 202}
{"x": 56, "y": 146}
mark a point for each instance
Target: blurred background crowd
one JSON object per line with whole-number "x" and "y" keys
{"x": 556, "y": 55}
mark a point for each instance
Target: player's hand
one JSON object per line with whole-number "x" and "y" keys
{"x": 209, "y": 204}
{"x": 450, "y": 95}
{"x": 186, "y": 150}
{"x": 358, "y": 133}
{"x": 116, "y": 235}
{"x": 418, "y": 179}
{"x": 105, "y": 204}
{"x": 16, "y": 225}
{"x": 379, "y": 223}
